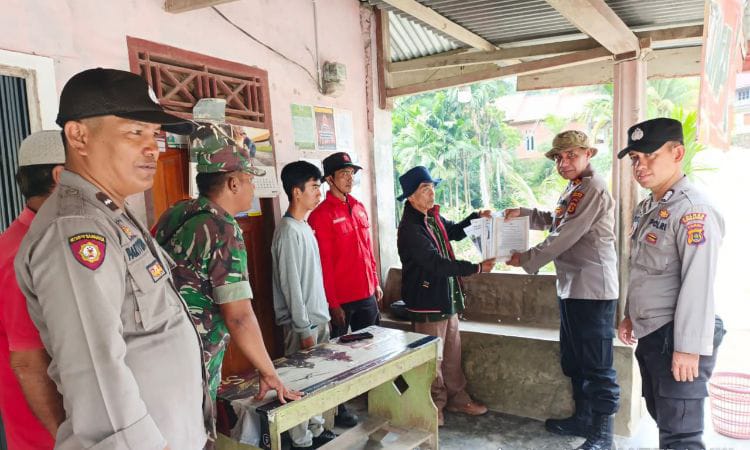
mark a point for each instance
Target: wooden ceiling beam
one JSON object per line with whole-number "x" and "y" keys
{"x": 463, "y": 58}
{"x": 570, "y": 59}
{"x": 596, "y": 19}
{"x": 662, "y": 63}
{"x": 178, "y": 6}
{"x": 441, "y": 23}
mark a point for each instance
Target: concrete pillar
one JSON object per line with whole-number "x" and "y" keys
{"x": 629, "y": 109}
{"x": 384, "y": 194}
{"x": 629, "y": 105}
{"x": 379, "y": 126}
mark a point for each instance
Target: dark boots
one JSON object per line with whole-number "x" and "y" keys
{"x": 345, "y": 418}
{"x": 601, "y": 434}
{"x": 579, "y": 424}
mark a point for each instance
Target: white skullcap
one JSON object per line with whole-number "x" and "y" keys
{"x": 42, "y": 147}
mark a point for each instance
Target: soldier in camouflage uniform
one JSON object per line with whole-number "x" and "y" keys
{"x": 206, "y": 244}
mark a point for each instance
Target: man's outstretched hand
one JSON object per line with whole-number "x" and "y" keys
{"x": 273, "y": 382}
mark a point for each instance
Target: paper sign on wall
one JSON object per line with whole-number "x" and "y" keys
{"x": 325, "y": 129}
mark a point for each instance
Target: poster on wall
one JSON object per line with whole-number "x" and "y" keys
{"x": 721, "y": 61}
{"x": 325, "y": 129}
{"x": 303, "y": 125}
{"x": 343, "y": 124}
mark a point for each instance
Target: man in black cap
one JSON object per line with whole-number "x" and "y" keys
{"x": 431, "y": 283}
{"x": 350, "y": 273}
{"x": 675, "y": 244}
{"x": 125, "y": 353}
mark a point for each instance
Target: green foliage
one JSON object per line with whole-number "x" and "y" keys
{"x": 689, "y": 121}
{"x": 472, "y": 148}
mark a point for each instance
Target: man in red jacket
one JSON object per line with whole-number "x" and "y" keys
{"x": 349, "y": 270}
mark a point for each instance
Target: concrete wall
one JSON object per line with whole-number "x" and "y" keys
{"x": 80, "y": 34}
{"x": 510, "y": 345}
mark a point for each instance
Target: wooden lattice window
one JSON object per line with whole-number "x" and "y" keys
{"x": 180, "y": 78}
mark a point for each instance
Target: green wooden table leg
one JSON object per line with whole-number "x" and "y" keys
{"x": 414, "y": 407}
{"x": 273, "y": 428}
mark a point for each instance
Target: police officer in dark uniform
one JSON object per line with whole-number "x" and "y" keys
{"x": 675, "y": 244}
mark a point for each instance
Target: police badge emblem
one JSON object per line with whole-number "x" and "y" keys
{"x": 636, "y": 135}
{"x": 152, "y": 95}
{"x": 695, "y": 234}
{"x": 88, "y": 249}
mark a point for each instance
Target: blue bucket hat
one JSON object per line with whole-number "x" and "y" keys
{"x": 411, "y": 180}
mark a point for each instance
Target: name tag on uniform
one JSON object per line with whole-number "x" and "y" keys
{"x": 339, "y": 220}
{"x": 136, "y": 249}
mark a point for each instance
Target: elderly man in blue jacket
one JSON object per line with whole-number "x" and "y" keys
{"x": 431, "y": 283}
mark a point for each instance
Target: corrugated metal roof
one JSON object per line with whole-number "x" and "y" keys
{"x": 411, "y": 40}
{"x": 510, "y": 21}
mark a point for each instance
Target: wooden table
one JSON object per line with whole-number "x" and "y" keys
{"x": 395, "y": 369}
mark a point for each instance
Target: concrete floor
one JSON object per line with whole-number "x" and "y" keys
{"x": 496, "y": 431}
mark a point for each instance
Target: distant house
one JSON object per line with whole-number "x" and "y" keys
{"x": 741, "y": 132}
{"x": 527, "y": 111}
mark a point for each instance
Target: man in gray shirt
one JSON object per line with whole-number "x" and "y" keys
{"x": 299, "y": 299}
{"x": 581, "y": 242}
{"x": 124, "y": 352}
{"x": 675, "y": 244}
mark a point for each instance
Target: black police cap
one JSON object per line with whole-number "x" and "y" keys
{"x": 649, "y": 136}
{"x": 338, "y": 161}
{"x": 105, "y": 92}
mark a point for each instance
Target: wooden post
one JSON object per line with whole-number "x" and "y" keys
{"x": 629, "y": 105}
{"x": 383, "y": 46}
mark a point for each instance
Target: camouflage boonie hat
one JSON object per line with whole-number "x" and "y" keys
{"x": 568, "y": 139}
{"x": 216, "y": 151}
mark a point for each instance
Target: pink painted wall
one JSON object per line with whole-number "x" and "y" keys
{"x": 80, "y": 34}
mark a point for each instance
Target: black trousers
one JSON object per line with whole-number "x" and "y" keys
{"x": 586, "y": 353}
{"x": 677, "y": 407}
{"x": 359, "y": 314}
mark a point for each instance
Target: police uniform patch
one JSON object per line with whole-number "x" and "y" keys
{"x": 558, "y": 211}
{"x": 574, "y": 199}
{"x": 693, "y": 217}
{"x": 88, "y": 249}
{"x": 695, "y": 234}
{"x": 125, "y": 229}
{"x": 651, "y": 238}
{"x": 104, "y": 198}
{"x": 663, "y": 214}
{"x": 156, "y": 271}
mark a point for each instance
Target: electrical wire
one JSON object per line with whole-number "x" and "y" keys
{"x": 317, "y": 84}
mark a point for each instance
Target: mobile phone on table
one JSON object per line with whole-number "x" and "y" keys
{"x": 352, "y": 337}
